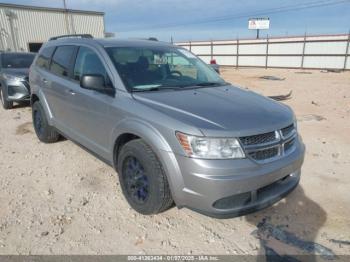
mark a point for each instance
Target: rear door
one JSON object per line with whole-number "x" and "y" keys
{"x": 40, "y": 75}
{"x": 58, "y": 85}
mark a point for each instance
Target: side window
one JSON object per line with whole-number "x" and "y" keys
{"x": 88, "y": 63}
{"x": 44, "y": 57}
{"x": 61, "y": 60}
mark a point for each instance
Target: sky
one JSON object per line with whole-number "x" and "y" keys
{"x": 212, "y": 19}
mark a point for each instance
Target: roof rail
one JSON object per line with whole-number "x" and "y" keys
{"x": 71, "y": 36}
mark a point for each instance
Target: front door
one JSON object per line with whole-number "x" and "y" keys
{"x": 90, "y": 110}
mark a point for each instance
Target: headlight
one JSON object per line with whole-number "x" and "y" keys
{"x": 210, "y": 148}
{"x": 12, "y": 77}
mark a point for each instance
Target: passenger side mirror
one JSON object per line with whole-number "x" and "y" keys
{"x": 93, "y": 82}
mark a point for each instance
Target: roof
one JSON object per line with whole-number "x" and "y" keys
{"x": 49, "y": 9}
{"x": 110, "y": 42}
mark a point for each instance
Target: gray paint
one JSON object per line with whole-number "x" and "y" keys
{"x": 96, "y": 120}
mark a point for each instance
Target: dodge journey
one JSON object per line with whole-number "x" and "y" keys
{"x": 173, "y": 129}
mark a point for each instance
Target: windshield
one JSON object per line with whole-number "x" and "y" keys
{"x": 17, "y": 60}
{"x": 156, "y": 68}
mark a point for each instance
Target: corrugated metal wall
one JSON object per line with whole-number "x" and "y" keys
{"x": 39, "y": 25}
{"x": 330, "y": 51}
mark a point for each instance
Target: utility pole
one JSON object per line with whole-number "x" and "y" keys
{"x": 66, "y": 16}
{"x": 257, "y": 33}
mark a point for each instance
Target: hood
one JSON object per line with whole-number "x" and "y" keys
{"x": 220, "y": 111}
{"x": 20, "y": 72}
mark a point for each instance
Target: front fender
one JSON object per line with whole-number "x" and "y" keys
{"x": 142, "y": 129}
{"x": 160, "y": 146}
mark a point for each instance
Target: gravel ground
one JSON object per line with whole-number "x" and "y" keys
{"x": 59, "y": 199}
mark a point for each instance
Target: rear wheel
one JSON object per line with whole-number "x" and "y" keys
{"x": 142, "y": 178}
{"x": 5, "y": 104}
{"x": 43, "y": 130}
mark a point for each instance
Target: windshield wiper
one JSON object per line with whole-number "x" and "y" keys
{"x": 194, "y": 85}
{"x": 209, "y": 84}
{"x": 204, "y": 84}
{"x": 158, "y": 88}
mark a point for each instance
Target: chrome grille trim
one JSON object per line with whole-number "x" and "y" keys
{"x": 264, "y": 152}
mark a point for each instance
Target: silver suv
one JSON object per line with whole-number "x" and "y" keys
{"x": 172, "y": 128}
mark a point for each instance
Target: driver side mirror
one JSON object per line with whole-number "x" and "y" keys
{"x": 93, "y": 82}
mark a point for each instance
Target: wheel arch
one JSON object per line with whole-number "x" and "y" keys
{"x": 138, "y": 129}
{"x": 131, "y": 129}
{"x": 39, "y": 96}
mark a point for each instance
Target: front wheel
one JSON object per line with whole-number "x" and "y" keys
{"x": 5, "y": 104}
{"x": 43, "y": 130}
{"x": 142, "y": 178}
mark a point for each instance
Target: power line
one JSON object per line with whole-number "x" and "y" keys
{"x": 308, "y": 5}
{"x": 282, "y": 9}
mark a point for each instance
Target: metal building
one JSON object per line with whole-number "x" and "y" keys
{"x": 25, "y": 28}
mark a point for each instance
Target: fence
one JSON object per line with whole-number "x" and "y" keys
{"x": 309, "y": 52}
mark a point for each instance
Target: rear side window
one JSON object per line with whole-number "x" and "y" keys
{"x": 61, "y": 60}
{"x": 44, "y": 57}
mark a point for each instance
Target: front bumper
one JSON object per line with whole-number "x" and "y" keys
{"x": 18, "y": 91}
{"x": 228, "y": 188}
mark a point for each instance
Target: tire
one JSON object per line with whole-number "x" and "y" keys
{"x": 146, "y": 190}
{"x": 43, "y": 130}
{"x": 5, "y": 104}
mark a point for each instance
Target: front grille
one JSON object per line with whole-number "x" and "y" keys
{"x": 238, "y": 200}
{"x": 11, "y": 90}
{"x": 264, "y": 191}
{"x": 264, "y": 154}
{"x": 258, "y": 139}
{"x": 268, "y": 146}
{"x": 26, "y": 84}
{"x": 244, "y": 201}
{"x": 287, "y": 130}
{"x": 288, "y": 145}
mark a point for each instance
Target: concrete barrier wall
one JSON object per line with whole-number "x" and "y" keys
{"x": 319, "y": 52}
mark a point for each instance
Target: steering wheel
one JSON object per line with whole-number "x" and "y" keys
{"x": 175, "y": 72}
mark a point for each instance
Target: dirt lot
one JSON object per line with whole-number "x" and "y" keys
{"x": 58, "y": 199}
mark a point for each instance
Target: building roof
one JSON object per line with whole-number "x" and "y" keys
{"x": 49, "y": 9}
